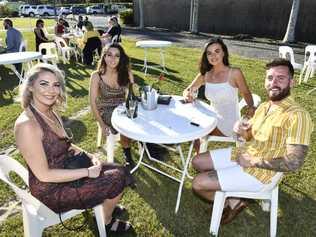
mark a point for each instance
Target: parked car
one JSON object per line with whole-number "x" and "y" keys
{"x": 45, "y": 10}
{"x": 64, "y": 11}
{"x": 27, "y": 10}
{"x": 78, "y": 10}
{"x": 95, "y": 10}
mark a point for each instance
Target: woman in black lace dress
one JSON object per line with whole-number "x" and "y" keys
{"x": 43, "y": 143}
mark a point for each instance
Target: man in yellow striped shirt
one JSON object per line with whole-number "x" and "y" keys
{"x": 277, "y": 140}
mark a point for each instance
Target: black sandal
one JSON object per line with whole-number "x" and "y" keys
{"x": 118, "y": 226}
{"x": 118, "y": 211}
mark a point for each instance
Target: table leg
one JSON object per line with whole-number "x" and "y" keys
{"x": 184, "y": 174}
{"x": 145, "y": 61}
{"x": 162, "y": 59}
{"x": 141, "y": 155}
{"x": 17, "y": 74}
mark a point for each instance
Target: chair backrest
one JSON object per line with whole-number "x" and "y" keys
{"x": 8, "y": 165}
{"x": 310, "y": 54}
{"x": 61, "y": 43}
{"x": 50, "y": 48}
{"x": 287, "y": 53}
{"x": 23, "y": 45}
{"x": 116, "y": 38}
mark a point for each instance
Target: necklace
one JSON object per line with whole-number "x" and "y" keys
{"x": 46, "y": 117}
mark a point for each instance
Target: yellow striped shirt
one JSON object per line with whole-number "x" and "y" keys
{"x": 272, "y": 129}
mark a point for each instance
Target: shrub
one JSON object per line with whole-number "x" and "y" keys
{"x": 5, "y": 11}
{"x": 127, "y": 17}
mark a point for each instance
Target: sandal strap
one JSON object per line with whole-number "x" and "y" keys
{"x": 120, "y": 226}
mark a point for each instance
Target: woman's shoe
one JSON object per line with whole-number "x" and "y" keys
{"x": 118, "y": 211}
{"x": 118, "y": 226}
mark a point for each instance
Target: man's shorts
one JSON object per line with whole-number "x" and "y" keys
{"x": 231, "y": 175}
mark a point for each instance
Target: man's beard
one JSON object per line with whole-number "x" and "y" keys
{"x": 283, "y": 94}
{"x": 6, "y": 27}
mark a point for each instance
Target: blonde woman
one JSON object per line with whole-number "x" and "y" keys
{"x": 44, "y": 145}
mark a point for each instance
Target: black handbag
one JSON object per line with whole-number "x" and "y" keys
{"x": 78, "y": 161}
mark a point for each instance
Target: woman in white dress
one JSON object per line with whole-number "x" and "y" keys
{"x": 222, "y": 84}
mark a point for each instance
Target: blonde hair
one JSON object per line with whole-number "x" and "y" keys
{"x": 26, "y": 95}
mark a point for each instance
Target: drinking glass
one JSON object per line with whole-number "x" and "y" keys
{"x": 132, "y": 107}
{"x": 243, "y": 121}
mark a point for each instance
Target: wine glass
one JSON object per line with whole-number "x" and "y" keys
{"x": 132, "y": 107}
{"x": 194, "y": 93}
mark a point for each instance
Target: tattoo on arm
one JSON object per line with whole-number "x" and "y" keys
{"x": 292, "y": 161}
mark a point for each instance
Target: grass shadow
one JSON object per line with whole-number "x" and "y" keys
{"x": 8, "y": 83}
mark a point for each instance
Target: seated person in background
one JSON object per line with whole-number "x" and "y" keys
{"x": 90, "y": 42}
{"x": 80, "y": 22}
{"x": 13, "y": 40}
{"x": 65, "y": 23}
{"x": 222, "y": 84}
{"x": 40, "y": 36}
{"x": 45, "y": 145}
{"x": 108, "y": 86}
{"x": 59, "y": 27}
{"x": 277, "y": 138}
{"x": 113, "y": 31}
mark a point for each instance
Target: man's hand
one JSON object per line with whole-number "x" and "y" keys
{"x": 243, "y": 129}
{"x": 245, "y": 160}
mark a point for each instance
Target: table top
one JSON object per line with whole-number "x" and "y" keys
{"x": 19, "y": 57}
{"x": 168, "y": 124}
{"x": 70, "y": 35}
{"x": 153, "y": 43}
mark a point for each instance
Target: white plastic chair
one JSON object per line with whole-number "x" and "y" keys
{"x": 242, "y": 104}
{"x": 288, "y": 53}
{"x": 36, "y": 215}
{"x": 309, "y": 63}
{"x": 23, "y": 46}
{"x": 109, "y": 145}
{"x": 51, "y": 52}
{"x": 64, "y": 50}
{"x": 269, "y": 195}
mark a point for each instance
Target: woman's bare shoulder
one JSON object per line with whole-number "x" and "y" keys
{"x": 26, "y": 122}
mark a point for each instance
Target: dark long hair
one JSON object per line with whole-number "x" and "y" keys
{"x": 205, "y": 66}
{"x": 122, "y": 67}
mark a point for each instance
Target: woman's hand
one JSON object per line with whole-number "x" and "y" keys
{"x": 105, "y": 130}
{"x": 95, "y": 160}
{"x": 94, "y": 171}
{"x": 187, "y": 95}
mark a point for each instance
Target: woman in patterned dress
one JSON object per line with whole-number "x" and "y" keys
{"x": 44, "y": 144}
{"x": 108, "y": 85}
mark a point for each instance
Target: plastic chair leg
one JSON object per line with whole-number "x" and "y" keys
{"x": 99, "y": 215}
{"x": 218, "y": 207}
{"x": 204, "y": 143}
{"x": 32, "y": 228}
{"x": 99, "y": 136}
{"x": 110, "y": 144}
{"x": 274, "y": 212}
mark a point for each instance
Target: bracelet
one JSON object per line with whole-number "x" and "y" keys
{"x": 88, "y": 173}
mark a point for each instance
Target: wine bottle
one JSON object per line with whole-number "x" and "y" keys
{"x": 131, "y": 102}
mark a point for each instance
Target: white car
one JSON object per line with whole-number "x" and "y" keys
{"x": 27, "y": 10}
{"x": 95, "y": 10}
{"x": 45, "y": 10}
{"x": 64, "y": 11}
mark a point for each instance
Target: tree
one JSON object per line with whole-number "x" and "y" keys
{"x": 194, "y": 13}
{"x": 290, "y": 31}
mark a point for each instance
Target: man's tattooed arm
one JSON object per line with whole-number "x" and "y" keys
{"x": 292, "y": 161}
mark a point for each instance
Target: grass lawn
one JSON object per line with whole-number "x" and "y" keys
{"x": 151, "y": 205}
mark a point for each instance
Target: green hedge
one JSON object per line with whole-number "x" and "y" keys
{"x": 127, "y": 17}
{"x": 5, "y": 11}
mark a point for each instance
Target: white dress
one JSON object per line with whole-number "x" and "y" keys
{"x": 224, "y": 98}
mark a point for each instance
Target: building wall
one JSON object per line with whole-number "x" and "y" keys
{"x": 262, "y": 18}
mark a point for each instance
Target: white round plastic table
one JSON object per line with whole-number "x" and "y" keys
{"x": 18, "y": 57}
{"x": 146, "y": 44}
{"x": 175, "y": 123}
